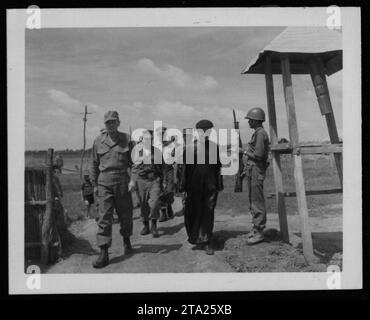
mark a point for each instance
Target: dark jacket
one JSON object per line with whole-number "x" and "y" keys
{"x": 191, "y": 181}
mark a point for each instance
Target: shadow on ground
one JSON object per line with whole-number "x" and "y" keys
{"x": 221, "y": 236}
{"x": 74, "y": 245}
{"x": 326, "y": 244}
{"x": 171, "y": 230}
{"x": 148, "y": 248}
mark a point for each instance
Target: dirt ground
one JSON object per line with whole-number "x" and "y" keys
{"x": 172, "y": 253}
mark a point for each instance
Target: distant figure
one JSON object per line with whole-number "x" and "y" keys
{"x": 59, "y": 162}
{"x": 87, "y": 193}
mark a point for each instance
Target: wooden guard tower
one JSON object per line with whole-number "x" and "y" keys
{"x": 316, "y": 51}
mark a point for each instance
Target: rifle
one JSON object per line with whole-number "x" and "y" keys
{"x": 238, "y": 177}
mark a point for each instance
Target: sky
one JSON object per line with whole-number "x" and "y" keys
{"x": 176, "y": 75}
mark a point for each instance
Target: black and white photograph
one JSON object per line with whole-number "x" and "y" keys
{"x": 167, "y": 150}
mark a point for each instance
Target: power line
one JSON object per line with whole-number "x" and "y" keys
{"x": 84, "y": 138}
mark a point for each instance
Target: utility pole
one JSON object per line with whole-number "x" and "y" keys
{"x": 84, "y": 139}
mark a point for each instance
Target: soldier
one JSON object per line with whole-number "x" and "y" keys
{"x": 256, "y": 164}
{"x": 168, "y": 183}
{"x": 178, "y": 167}
{"x": 147, "y": 176}
{"x": 109, "y": 175}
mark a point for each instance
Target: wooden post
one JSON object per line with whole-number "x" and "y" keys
{"x": 298, "y": 171}
{"x": 278, "y": 177}
{"x": 323, "y": 98}
{"x": 84, "y": 140}
{"x": 47, "y": 217}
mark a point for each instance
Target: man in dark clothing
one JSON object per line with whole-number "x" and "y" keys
{"x": 201, "y": 181}
{"x": 256, "y": 164}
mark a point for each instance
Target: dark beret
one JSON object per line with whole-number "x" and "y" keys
{"x": 204, "y": 124}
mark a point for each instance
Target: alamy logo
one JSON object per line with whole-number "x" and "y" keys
{"x": 334, "y": 279}
{"x": 33, "y": 281}
{"x": 33, "y": 17}
{"x": 334, "y": 19}
{"x": 169, "y": 147}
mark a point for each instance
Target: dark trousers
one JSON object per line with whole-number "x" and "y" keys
{"x": 199, "y": 216}
{"x": 168, "y": 192}
{"x": 257, "y": 207}
{"x": 109, "y": 198}
{"x": 149, "y": 192}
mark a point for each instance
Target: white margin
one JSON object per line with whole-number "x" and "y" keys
{"x": 351, "y": 277}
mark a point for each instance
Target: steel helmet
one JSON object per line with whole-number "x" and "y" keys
{"x": 256, "y": 114}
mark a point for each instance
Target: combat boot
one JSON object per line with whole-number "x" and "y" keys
{"x": 145, "y": 229}
{"x": 163, "y": 216}
{"x": 153, "y": 229}
{"x": 255, "y": 236}
{"x": 127, "y": 248}
{"x": 170, "y": 212}
{"x": 103, "y": 259}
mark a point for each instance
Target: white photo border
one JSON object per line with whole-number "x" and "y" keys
{"x": 351, "y": 276}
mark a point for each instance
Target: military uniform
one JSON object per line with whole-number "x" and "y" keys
{"x": 168, "y": 182}
{"x": 256, "y": 165}
{"x": 109, "y": 172}
{"x": 148, "y": 179}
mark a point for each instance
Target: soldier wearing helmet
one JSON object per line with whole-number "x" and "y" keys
{"x": 256, "y": 164}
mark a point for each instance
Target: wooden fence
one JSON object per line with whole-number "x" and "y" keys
{"x": 42, "y": 240}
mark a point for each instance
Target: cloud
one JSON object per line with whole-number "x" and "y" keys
{"x": 177, "y": 108}
{"x": 176, "y": 76}
{"x": 63, "y": 100}
{"x": 66, "y": 106}
{"x": 186, "y": 115}
{"x": 58, "y": 112}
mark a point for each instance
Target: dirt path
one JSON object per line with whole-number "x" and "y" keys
{"x": 172, "y": 253}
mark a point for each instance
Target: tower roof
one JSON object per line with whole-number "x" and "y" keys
{"x": 301, "y": 43}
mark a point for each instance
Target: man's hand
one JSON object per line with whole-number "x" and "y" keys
{"x": 131, "y": 185}
{"x": 96, "y": 191}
